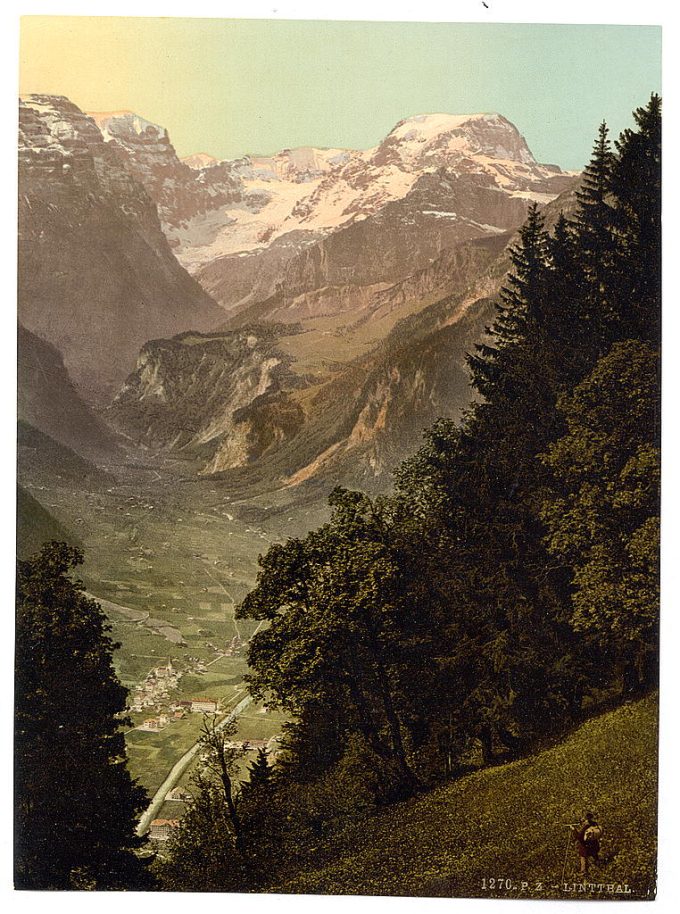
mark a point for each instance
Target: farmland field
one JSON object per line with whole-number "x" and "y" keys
{"x": 170, "y": 556}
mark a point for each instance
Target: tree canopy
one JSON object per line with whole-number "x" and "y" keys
{"x": 76, "y": 805}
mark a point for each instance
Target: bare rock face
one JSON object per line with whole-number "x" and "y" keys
{"x": 235, "y": 398}
{"x": 179, "y": 192}
{"x": 216, "y": 398}
{"x": 378, "y": 215}
{"x": 96, "y": 275}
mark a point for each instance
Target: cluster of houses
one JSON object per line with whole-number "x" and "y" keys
{"x": 179, "y": 710}
{"x": 155, "y": 688}
{"x": 234, "y": 648}
{"x": 271, "y": 746}
{"x": 155, "y": 723}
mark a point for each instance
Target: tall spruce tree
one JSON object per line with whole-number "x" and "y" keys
{"x": 597, "y": 244}
{"x": 636, "y": 186}
{"x": 76, "y": 805}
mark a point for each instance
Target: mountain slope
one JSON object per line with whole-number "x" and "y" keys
{"x": 305, "y": 219}
{"x": 292, "y": 399}
{"x": 44, "y": 461}
{"x": 178, "y": 192}
{"x": 356, "y": 396}
{"x": 194, "y": 393}
{"x": 378, "y": 215}
{"x": 35, "y": 526}
{"x": 48, "y": 400}
{"x": 512, "y": 827}
{"x": 96, "y": 275}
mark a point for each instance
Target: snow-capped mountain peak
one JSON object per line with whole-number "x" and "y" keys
{"x": 442, "y": 138}
{"x": 212, "y": 209}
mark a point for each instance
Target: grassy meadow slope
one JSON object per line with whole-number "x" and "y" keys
{"x": 506, "y": 823}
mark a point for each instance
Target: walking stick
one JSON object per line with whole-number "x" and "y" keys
{"x": 566, "y": 854}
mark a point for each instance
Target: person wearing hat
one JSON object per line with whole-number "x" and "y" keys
{"x": 587, "y": 836}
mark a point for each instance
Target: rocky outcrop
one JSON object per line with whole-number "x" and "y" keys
{"x": 218, "y": 398}
{"x": 177, "y": 190}
{"x": 376, "y": 412}
{"x": 96, "y": 275}
{"x": 232, "y": 406}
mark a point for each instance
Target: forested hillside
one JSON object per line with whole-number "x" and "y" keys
{"x": 509, "y": 585}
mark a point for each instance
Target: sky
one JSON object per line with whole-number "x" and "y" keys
{"x": 230, "y": 87}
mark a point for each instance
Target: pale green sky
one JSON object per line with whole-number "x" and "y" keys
{"x": 231, "y": 87}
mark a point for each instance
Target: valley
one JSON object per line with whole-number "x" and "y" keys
{"x": 169, "y": 557}
{"x": 208, "y": 348}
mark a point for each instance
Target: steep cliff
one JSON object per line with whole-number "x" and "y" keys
{"x": 96, "y": 275}
{"x": 218, "y": 398}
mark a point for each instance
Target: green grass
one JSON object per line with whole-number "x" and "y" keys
{"x": 173, "y": 561}
{"x": 506, "y": 823}
{"x": 152, "y": 755}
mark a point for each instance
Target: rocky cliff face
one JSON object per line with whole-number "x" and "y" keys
{"x": 354, "y": 283}
{"x": 231, "y": 399}
{"x": 96, "y": 275}
{"x": 174, "y": 185}
{"x": 308, "y": 219}
{"x": 205, "y": 396}
{"x": 355, "y": 422}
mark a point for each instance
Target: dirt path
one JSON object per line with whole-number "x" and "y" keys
{"x": 228, "y": 596}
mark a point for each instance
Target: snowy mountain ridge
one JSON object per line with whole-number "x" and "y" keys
{"x": 316, "y": 191}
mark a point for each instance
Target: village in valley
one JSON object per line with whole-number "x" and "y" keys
{"x": 160, "y": 693}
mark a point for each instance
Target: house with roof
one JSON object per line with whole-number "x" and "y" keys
{"x": 178, "y": 795}
{"x": 204, "y": 705}
{"x": 154, "y": 723}
{"x": 162, "y": 829}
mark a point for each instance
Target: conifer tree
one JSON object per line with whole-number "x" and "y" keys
{"x": 259, "y": 773}
{"x": 636, "y": 186}
{"x": 519, "y": 312}
{"x": 76, "y": 805}
{"x": 594, "y": 222}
